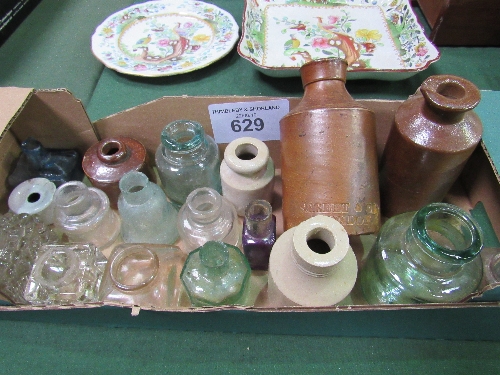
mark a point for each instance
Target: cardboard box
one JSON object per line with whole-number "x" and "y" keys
{"x": 462, "y": 22}
{"x": 57, "y": 119}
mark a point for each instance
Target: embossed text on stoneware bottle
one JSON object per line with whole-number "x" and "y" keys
{"x": 328, "y": 153}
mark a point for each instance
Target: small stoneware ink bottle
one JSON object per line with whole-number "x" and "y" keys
{"x": 247, "y": 173}
{"x": 259, "y": 234}
{"x": 107, "y": 161}
{"x": 56, "y": 165}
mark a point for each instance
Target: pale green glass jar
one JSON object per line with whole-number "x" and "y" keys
{"x": 428, "y": 256}
{"x": 187, "y": 159}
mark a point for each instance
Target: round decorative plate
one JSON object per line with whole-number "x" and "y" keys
{"x": 159, "y": 38}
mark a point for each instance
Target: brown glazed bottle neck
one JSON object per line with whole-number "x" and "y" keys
{"x": 324, "y": 84}
{"x": 112, "y": 151}
{"x": 449, "y": 98}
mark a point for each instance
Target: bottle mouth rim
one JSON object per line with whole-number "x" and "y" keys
{"x": 120, "y": 256}
{"x": 182, "y": 135}
{"x": 423, "y": 228}
{"x": 70, "y": 271}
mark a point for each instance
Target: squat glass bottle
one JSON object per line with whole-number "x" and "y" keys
{"x": 84, "y": 214}
{"x": 56, "y": 165}
{"x": 216, "y": 274}
{"x": 187, "y": 159}
{"x": 207, "y": 216}
{"x": 428, "y": 256}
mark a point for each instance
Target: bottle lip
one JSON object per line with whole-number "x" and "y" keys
{"x": 420, "y": 229}
{"x": 246, "y": 155}
{"x": 450, "y": 93}
{"x": 333, "y": 68}
{"x": 111, "y": 150}
{"x": 327, "y": 230}
{"x": 121, "y": 254}
{"x": 32, "y": 196}
{"x": 70, "y": 272}
{"x": 74, "y": 193}
{"x": 204, "y": 203}
{"x": 182, "y": 135}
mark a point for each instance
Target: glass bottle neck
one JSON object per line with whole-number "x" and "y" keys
{"x": 183, "y": 141}
{"x": 259, "y": 219}
{"x": 214, "y": 258}
{"x": 442, "y": 238}
{"x": 136, "y": 188}
{"x": 35, "y": 152}
{"x": 205, "y": 206}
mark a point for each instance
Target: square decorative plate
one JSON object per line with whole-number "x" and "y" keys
{"x": 161, "y": 38}
{"x": 380, "y": 39}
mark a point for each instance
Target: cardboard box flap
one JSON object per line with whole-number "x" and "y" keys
{"x": 57, "y": 119}
{"x": 13, "y": 100}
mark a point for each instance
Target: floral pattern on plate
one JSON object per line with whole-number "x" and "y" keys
{"x": 160, "y": 38}
{"x": 380, "y": 39}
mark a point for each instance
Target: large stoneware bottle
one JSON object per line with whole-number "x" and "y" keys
{"x": 328, "y": 153}
{"x": 434, "y": 133}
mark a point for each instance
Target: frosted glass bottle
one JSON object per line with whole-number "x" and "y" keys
{"x": 426, "y": 256}
{"x": 34, "y": 196}
{"x": 146, "y": 214}
{"x": 207, "y": 216}
{"x": 146, "y": 275}
{"x": 216, "y": 274}
{"x": 259, "y": 233}
{"x": 312, "y": 264}
{"x": 187, "y": 159}
{"x": 247, "y": 173}
{"x": 84, "y": 215}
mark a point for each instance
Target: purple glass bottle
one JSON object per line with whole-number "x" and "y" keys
{"x": 259, "y": 233}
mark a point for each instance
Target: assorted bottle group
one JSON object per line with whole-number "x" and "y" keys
{"x": 195, "y": 236}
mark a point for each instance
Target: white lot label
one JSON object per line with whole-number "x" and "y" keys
{"x": 248, "y": 119}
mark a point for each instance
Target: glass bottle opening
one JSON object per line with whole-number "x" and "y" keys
{"x": 214, "y": 254}
{"x": 204, "y": 204}
{"x": 258, "y": 215}
{"x": 56, "y": 268}
{"x": 134, "y": 268}
{"x": 448, "y": 231}
{"x": 33, "y": 197}
{"x": 182, "y": 135}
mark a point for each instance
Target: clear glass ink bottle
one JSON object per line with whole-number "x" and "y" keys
{"x": 207, "y": 216}
{"x": 84, "y": 215}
